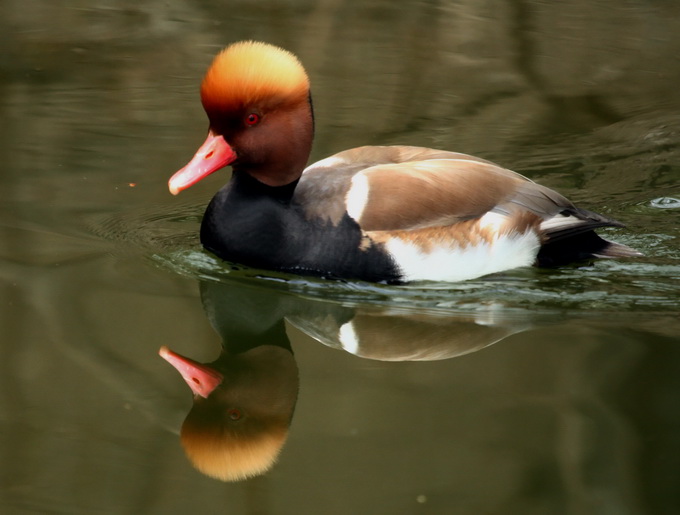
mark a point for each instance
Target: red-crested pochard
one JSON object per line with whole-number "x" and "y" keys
{"x": 374, "y": 213}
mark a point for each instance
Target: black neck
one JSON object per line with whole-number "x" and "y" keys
{"x": 248, "y": 185}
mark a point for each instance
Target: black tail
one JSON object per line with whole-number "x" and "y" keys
{"x": 581, "y": 247}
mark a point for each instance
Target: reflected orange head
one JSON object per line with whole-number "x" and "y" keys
{"x": 229, "y": 454}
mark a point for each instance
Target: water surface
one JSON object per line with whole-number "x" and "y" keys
{"x": 532, "y": 391}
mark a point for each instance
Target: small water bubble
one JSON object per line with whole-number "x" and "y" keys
{"x": 665, "y": 203}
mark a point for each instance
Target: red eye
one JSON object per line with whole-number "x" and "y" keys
{"x": 252, "y": 119}
{"x": 234, "y": 414}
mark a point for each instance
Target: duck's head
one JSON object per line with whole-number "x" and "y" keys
{"x": 243, "y": 406}
{"x": 257, "y": 99}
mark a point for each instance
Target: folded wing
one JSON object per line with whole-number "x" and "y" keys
{"x": 398, "y": 189}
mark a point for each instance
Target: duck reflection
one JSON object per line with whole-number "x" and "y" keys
{"x": 400, "y": 335}
{"x": 244, "y": 400}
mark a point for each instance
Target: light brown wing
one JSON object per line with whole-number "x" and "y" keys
{"x": 406, "y": 188}
{"x": 428, "y": 193}
{"x": 324, "y": 185}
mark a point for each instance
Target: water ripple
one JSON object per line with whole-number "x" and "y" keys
{"x": 605, "y": 286}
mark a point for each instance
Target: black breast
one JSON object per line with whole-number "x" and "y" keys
{"x": 256, "y": 225}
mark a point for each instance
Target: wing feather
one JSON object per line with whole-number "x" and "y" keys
{"x": 402, "y": 188}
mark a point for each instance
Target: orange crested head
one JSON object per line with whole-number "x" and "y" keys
{"x": 253, "y": 73}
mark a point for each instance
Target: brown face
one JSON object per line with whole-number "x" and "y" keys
{"x": 271, "y": 144}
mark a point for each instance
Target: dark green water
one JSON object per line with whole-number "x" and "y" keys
{"x": 534, "y": 391}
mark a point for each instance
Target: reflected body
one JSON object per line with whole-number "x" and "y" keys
{"x": 392, "y": 214}
{"x": 244, "y": 401}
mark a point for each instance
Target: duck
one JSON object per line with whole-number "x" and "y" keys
{"x": 384, "y": 214}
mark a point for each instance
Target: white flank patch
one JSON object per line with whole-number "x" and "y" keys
{"x": 492, "y": 221}
{"x": 357, "y": 196}
{"x": 348, "y": 338}
{"x": 448, "y": 262}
